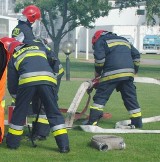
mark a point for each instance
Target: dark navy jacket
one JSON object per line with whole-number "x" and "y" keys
{"x": 30, "y": 66}
{"x": 115, "y": 58}
{"x": 23, "y": 32}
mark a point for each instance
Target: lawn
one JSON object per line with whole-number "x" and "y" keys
{"x": 139, "y": 147}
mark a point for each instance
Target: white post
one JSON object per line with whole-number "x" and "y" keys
{"x": 87, "y": 44}
{"x": 76, "y": 43}
{"x": 138, "y": 37}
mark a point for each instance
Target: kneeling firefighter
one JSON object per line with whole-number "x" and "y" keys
{"x": 4, "y": 58}
{"x": 27, "y": 78}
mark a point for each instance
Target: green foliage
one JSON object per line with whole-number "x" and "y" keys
{"x": 127, "y": 3}
{"x": 20, "y": 5}
{"x": 67, "y": 14}
{"x": 152, "y": 8}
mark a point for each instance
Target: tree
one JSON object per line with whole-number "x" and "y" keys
{"x": 73, "y": 13}
{"x": 69, "y": 14}
{"x": 152, "y": 8}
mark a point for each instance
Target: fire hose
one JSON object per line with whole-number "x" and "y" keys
{"x": 123, "y": 126}
{"x": 105, "y": 142}
{"x": 86, "y": 86}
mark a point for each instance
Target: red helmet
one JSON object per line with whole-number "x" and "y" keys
{"x": 97, "y": 35}
{"x": 10, "y": 44}
{"x": 32, "y": 13}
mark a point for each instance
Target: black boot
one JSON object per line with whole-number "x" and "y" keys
{"x": 12, "y": 141}
{"x": 63, "y": 143}
{"x": 65, "y": 149}
{"x": 40, "y": 131}
{"x": 94, "y": 116}
{"x": 137, "y": 122}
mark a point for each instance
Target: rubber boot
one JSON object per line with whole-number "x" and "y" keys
{"x": 63, "y": 143}
{"x": 12, "y": 141}
{"x": 137, "y": 122}
{"x": 94, "y": 116}
{"x": 40, "y": 130}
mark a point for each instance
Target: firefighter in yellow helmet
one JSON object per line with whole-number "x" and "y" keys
{"x": 27, "y": 77}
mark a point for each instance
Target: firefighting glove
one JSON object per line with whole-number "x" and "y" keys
{"x": 94, "y": 83}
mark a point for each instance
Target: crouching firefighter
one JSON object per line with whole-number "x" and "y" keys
{"x": 26, "y": 78}
{"x": 116, "y": 63}
{"x": 40, "y": 126}
{"x": 4, "y": 58}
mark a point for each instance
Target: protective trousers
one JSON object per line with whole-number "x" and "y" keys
{"x": 42, "y": 128}
{"x": 54, "y": 116}
{"x": 128, "y": 93}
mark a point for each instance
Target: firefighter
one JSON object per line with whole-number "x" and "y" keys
{"x": 116, "y": 63}
{"x": 27, "y": 77}
{"x": 41, "y": 128}
{"x": 23, "y": 31}
{"x": 4, "y": 58}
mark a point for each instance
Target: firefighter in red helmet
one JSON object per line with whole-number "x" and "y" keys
{"x": 27, "y": 77}
{"x": 32, "y": 13}
{"x": 23, "y": 31}
{"x": 4, "y": 58}
{"x": 116, "y": 63}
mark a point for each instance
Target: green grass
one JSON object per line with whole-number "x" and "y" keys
{"x": 151, "y": 56}
{"x": 140, "y": 147}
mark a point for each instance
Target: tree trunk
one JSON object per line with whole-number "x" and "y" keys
{"x": 56, "y": 46}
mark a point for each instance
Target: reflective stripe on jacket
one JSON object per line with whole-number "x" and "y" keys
{"x": 115, "y": 58}
{"x": 29, "y": 66}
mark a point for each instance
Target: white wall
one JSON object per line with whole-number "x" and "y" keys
{"x": 125, "y": 22}
{"x": 12, "y": 24}
{"x": 7, "y": 24}
{"x": 125, "y": 17}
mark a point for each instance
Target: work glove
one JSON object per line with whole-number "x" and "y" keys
{"x": 94, "y": 83}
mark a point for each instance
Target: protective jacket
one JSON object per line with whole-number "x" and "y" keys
{"x": 109, "y": 52}
{"x": 116, "y": 62}
{"x": 23, "y": 31}
{"x": 4, "y": 57}
{"x": 41, "y": 128}
{"x": 29, "y": 74}
{"x": 24, "y": 61}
